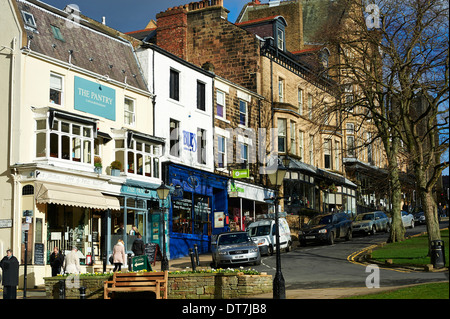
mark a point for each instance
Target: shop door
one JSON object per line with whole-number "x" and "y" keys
{"x": 141, "y": 223}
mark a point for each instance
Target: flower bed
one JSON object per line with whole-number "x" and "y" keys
{"x": 186, "y": 284}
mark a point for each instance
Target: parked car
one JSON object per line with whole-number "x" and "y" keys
{"x": 234, "y": 248}
{"x": 370, "y": 223}
{"x": 263, "y": 233}
{"x": 326, "y": 228}
{"x": 419, "y": 218}
{"x": 407, "y": 219}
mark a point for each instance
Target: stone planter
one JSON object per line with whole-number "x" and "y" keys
{"x": 181, "y": 286}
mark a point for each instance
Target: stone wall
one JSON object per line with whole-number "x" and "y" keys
{"x": 181, "y": 286}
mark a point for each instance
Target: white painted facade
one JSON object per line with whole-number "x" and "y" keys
{"x": 157, "y": 65}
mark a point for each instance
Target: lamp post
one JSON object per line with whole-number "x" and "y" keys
{"x": 163, "y": 192}
{"x": 276, "y": 174}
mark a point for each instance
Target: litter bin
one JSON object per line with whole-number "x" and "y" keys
{"x": 437, "y": 254}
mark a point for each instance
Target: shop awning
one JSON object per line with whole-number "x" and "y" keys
{"x": 49, "y": 193}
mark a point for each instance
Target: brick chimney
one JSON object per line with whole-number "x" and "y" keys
{"x": 172, "y": 30}
{"x": 172, "y": 25}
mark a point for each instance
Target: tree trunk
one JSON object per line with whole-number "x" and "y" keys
{"x": 430, "y": 211}
{"x": 397, "y": 229}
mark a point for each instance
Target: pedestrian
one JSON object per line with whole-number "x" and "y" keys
{"x": 118, "y": 255}
{"x": 138, "y": 246}
{"x": 56, "y": 261}
{"x": 72, "y": 262}
{"x": 10, "y": 266}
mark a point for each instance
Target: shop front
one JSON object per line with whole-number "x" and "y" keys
{"x": 199, "y": 208}
{"x": 245, "y": 202}
{"x": 140, "y": 213}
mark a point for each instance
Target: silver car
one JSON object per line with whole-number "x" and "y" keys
{"x": 370, "y": 223}
{"x": 234, "y": 248}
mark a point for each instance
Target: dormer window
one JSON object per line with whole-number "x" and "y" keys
{"x": 280, "y": 39}
{"x": 28, "y": 18}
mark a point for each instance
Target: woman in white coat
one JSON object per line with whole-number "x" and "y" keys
{"x": 72, "y": 262}
{"x": 118, "y": 255}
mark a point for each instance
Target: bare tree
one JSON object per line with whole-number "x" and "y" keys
{"x": 395, "y": 57}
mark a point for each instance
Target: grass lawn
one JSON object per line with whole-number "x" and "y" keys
{"x": 425, "y": 291}
{"x": 412, "y": 251}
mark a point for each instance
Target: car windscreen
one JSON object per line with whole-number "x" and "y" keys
{"x": 230, "y": 239}
{"x": 321, "y": 220}
{"x": 364, "y": 217}
{"x": 259, "y": 230}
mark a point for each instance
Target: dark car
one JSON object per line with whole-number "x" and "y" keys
{"x": 419, "y": 218}
{"x": 326, "y": 228}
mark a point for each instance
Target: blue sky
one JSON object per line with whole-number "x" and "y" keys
{"x": 131, "y": 15}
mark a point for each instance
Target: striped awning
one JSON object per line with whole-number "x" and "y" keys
{"x": 50, "y": 193}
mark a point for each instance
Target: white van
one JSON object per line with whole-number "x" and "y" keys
{"x": 263, "y": 234}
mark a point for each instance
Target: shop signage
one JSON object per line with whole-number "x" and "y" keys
{"x": 94, "y": 98}
{"x": 5, "y": 223}
{"x": 241, "y": 173}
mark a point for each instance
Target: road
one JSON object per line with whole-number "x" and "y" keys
{"x": 324, "y": 266}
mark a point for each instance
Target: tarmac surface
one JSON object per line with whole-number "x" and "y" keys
{"x": 184, "y": 263}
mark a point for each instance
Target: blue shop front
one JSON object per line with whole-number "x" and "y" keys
{"x": 199, "y": 208}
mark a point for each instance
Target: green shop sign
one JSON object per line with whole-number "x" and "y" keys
{"x": 241, "y": 173}
{"x": 94, "y": 98}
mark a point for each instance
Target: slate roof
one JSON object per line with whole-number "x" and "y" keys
{"x": 92, "y": 49}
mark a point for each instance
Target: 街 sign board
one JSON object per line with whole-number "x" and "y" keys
{"x": 95, "y": 98}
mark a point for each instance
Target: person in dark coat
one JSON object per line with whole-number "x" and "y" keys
{"x": 56, "y": 261}
{"x": 10, "y": 266}
{"x": 138, "y": 247}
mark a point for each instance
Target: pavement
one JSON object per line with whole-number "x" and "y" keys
{"x": 184, "y": 263}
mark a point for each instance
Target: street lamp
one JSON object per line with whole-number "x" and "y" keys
{"x": 276, "y": 174}
{"x": 163, "y": 191}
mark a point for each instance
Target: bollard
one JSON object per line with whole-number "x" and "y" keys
{"x": 191, "y": 254}
{"x": 82, "y": 292}
{"x": 129, "y": 263}
{"x": 62, "y": 289}
{"x": 196, "y": 254}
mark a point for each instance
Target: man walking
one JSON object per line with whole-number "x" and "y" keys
{"x": 10, "y": 266}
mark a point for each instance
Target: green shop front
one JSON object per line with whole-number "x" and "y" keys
{"x": 140, "y": 212}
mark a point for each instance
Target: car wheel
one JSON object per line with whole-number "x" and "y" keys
{"x": 331, "y": 239}
{"x": 270, "y": 250}
{"x": 349, "y": 235}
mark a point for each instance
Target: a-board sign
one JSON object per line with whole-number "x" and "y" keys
{"x": 153, "y": 252}
{"x": 39, "y": 254}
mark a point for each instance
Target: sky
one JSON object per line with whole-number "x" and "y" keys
{"x": 132, "y": 15}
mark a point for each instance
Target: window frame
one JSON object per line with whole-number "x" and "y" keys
{"x": 60, "y": 91}
{"x": 132, "y": 113}
{"x": 224, "y": 113}
{"x": 174, "y": 85}
{"x": 201, "y": 96}
{"x": 245, "y": 114}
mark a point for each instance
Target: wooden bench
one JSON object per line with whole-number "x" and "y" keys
{"x": 137, "y": 282}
